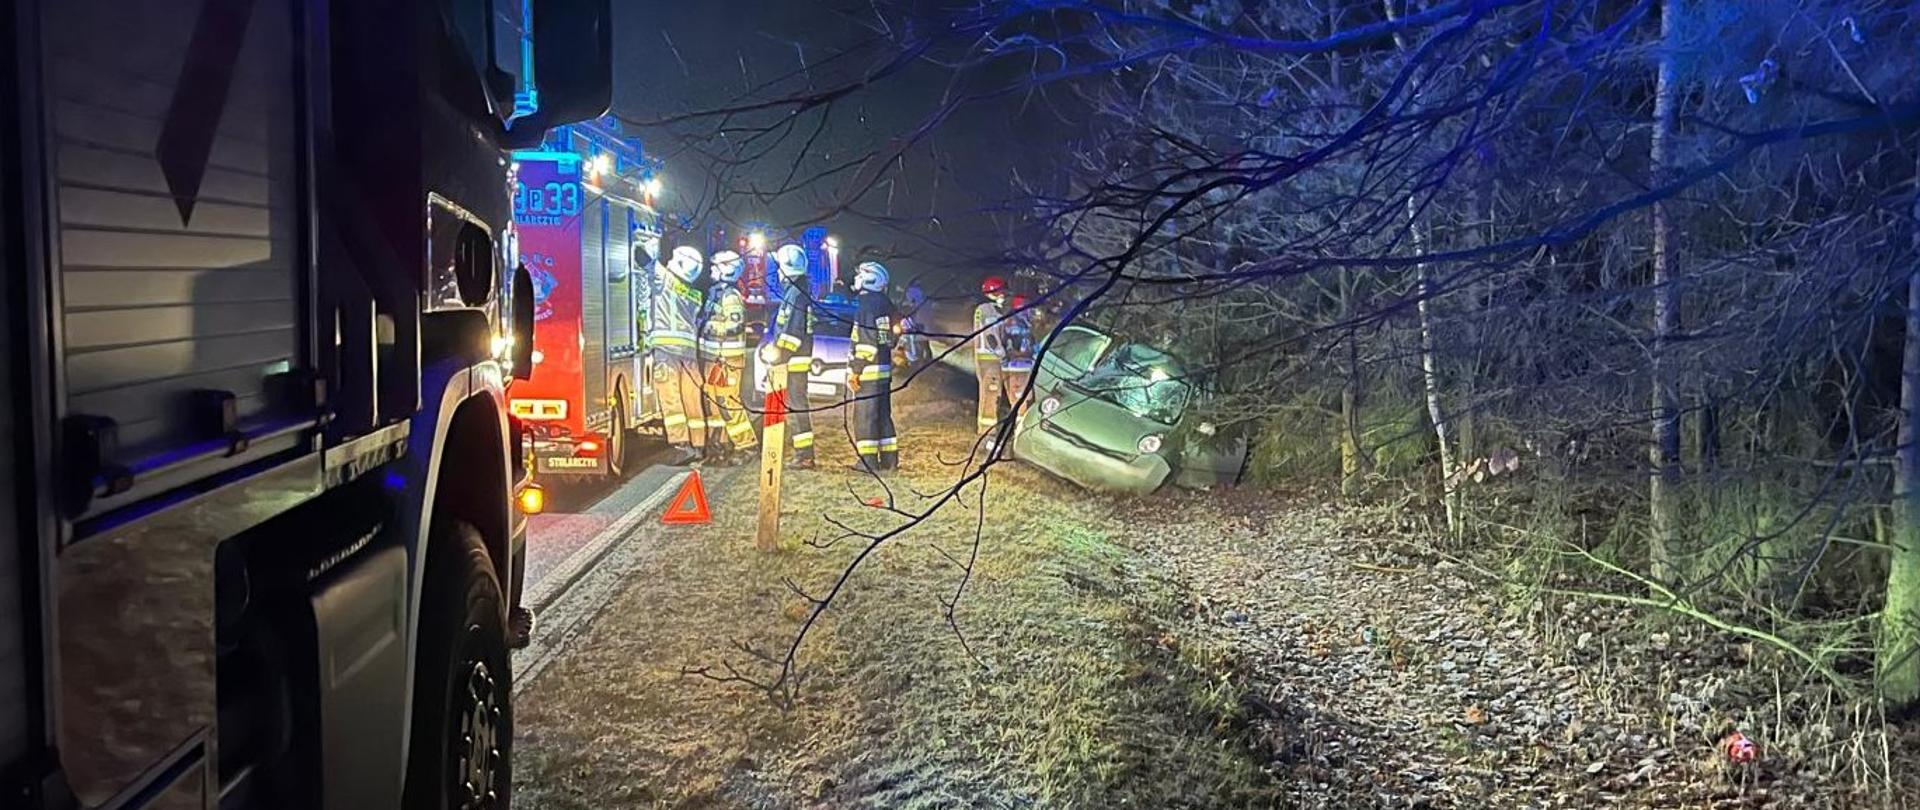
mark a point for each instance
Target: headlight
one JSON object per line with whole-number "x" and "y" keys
{"x": 1150, "y": 443}
{"x": 1049, "y": 405}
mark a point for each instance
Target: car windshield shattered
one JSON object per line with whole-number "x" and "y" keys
{"x": 1142, "y": 379}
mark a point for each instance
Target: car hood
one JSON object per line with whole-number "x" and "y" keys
{"x": 1095, "y": 423}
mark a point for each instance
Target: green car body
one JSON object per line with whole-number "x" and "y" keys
{"x": 1116, "y": 416}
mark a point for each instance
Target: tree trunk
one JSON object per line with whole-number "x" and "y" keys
{"x": 1353, "y": 459}
{"x": 1430, "y": 377}
{"x": 1429, "y": 366}
{"x": 1899, "y": 657}
{"x": 1664, "y": 451}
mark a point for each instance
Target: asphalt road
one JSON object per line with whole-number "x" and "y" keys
{"x": 579, "y": 557}
{"x": 579, "y": 513}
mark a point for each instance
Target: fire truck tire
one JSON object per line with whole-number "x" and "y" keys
{"x": 619, "y": 438}
{"x": 462, "y": 739}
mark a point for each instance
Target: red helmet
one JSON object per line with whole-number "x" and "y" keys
{"x": 994, "y": 285}
{"x": 1019, "y": 302}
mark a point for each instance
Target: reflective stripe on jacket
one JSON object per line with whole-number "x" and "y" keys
{"x": 674, "y": 315}
{"x": 989, "y": 332}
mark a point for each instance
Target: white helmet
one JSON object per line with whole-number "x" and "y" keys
{"x": 793, "y": 261}
{"x": 686, "y": 264}
{"x": 727, "y": 267}
{"x": 870, "y": 277}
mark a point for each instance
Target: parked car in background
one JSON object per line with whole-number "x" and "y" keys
{"x": 1119, "y": 416}
{"x": 832, "y": 344}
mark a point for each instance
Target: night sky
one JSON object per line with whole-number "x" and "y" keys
{"x": 927, "y": 216}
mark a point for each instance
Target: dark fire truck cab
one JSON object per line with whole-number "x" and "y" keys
{"x": 261, "y": 313}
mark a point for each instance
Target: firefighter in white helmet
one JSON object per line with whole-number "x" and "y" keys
{"x": 673, "y": 347}
{"x": 723, "y": 352}
{"x": 792, "y": 348}
{"x": 870, "y": 370}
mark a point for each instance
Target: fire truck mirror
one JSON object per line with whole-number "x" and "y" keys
{"x": 573, "y": 63}
{"x": 523, "y": 305}
{"x": 642, "y": 254}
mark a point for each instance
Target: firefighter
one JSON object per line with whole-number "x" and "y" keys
{"x": 723, "y": 352}
{"x": 1016, "y": 368}
{"x": 990, "y": 351}
{"x": 870, "y": 370}
{"x": 675, "y": 351}
{"x": 913, "y": 338}
{"x": 792, "y": 347}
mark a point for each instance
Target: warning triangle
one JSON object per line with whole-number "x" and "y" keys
{"x": 690, "y": 504}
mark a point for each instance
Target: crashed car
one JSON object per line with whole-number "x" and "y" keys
{"x": 1118, "y": 416}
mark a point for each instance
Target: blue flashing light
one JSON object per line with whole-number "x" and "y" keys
{"x": 569, "y": 161}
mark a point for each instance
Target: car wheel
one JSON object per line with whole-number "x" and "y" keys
{"x": 461, "y": 755}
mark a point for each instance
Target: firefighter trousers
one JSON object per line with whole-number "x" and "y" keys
{"x": 873, "y": 433}
{"x": 799, "y": 417}
{"x": 728, "y": 424}
{"x": 677, "y": 382}
{"x": 993, "y": 392}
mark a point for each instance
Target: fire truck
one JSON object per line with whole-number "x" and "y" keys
{"x": 261, "y": 313}
{"x": 589, "y": 235}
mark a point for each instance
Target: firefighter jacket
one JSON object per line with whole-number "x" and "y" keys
{"x": 873, "y": 323}
{"x": 723, "y": 323}
{"x": 793, "y": 326}
{"x": 989, "y": 332}
{"x": 674, "y": 317}
{"x": 1018, "y": 331}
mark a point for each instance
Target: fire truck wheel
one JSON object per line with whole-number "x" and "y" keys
{"x": 462, "y": 749}
{"x": 617, "y": 438}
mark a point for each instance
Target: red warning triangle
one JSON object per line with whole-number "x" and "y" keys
{"x": 690, "y": 504}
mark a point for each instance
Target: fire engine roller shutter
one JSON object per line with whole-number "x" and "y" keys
{"x": 593, "y": 308}
{"x": 176, "y": 180}
{"x": 621, "y": 339}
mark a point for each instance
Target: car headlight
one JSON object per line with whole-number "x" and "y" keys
{"x": 1150, "y": 443}
{"x": 1049, "y": 405}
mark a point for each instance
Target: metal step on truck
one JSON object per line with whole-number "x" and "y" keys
{"x": 262, "y": 312}
{"x": 589, "y": 234}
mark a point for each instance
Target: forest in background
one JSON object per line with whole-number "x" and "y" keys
{"x": 1615, "y": 291}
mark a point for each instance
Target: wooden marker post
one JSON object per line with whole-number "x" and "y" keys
{"x": 773, "y": 447}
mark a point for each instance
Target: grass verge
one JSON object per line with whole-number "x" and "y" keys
{"x": 1055, "y": 685}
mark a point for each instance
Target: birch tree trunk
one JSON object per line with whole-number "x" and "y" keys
{"x": 1664, "y": 450}
{"x": 1430, "y": 377}
{"x": 1429, "y": 365}
{"x": 1899, "y": 655}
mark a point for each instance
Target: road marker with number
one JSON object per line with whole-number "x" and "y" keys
{"x": 773, "y": 447}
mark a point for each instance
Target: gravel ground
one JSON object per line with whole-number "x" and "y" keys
{"x": 1382, "y": 677}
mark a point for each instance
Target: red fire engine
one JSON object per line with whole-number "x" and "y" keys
{"x": 588, "y": 234}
